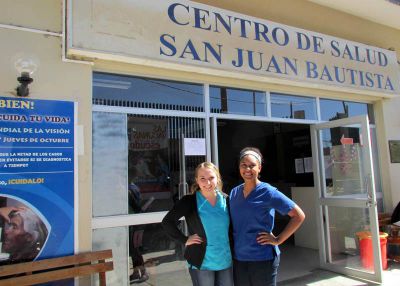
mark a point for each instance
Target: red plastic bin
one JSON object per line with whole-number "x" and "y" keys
{"x": 366, "y": 253}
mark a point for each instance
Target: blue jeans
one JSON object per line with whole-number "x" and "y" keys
{"x": 256, "y": 273}
{"x": 211, "y": 278}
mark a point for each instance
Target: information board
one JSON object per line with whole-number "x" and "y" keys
{"x": 36, "y": 179}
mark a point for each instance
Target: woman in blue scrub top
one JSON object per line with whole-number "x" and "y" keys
{"x": 206, "y": 210}
{"x": 252, "y": 209}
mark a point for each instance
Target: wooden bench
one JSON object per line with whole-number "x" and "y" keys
{"x": 53, "y": 269}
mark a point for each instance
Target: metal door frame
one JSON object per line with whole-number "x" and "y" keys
{"x": 360, "y": 202}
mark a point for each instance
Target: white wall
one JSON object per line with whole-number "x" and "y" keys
{"x": 306, "y": 235}
{"x": 391, "y": 122}
{"x": 24, "y": 31}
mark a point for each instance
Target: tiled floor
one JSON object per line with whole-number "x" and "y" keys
{"x": 296, "y": 262}
{"x": 299, "y": 267}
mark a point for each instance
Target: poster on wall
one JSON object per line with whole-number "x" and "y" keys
{"x": 148, "y": 155}
{"x": 36, "y": 179}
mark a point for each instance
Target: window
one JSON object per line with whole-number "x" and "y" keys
{"x": 237, "y": 101}
{"x": 121, "y": 90}
{"x": 295, "y": 107}
{"x": 136, "y": 165}
{"x": 137, "y": 173}
{"x": 337, "y": 109}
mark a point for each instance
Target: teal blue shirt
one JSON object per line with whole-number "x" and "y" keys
{"x": 215, "y": 220}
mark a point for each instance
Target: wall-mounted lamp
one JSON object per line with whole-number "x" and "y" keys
{"x": 25, "y": 67}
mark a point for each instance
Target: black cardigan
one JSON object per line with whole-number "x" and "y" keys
{"x": 187, "y": 207}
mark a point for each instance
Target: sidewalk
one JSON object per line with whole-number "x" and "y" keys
{"x": 300, "y": 267}
{"x": 320, "y": 277}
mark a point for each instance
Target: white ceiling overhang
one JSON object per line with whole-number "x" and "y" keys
{"x": 384, "y": 12}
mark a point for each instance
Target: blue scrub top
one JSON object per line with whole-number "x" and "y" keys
{"x": 254, "y": 214}
{"x": 215, "y": 220}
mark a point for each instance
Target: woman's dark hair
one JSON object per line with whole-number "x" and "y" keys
{"x": 251, "y": 149}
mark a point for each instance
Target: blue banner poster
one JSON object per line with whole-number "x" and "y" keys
{"x": 36, "y": 179}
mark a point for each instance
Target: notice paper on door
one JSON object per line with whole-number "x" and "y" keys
{"x": 308, "y": 166}
{"x": 195, "y": 146}
{"x": 299, "y": 166}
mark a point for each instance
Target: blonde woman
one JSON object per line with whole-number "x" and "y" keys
{"x": 206, "y": 212}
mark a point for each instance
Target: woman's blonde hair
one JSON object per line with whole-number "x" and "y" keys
{"x": 207, "y": 165}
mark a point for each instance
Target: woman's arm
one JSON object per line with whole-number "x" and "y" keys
{"x": 171, "y": 220}
{"x": 297, "y": 217}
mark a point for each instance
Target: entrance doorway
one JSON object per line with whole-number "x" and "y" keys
{"x": 280, "y": 143}
{"x": 347, "y": 204}
{"x": 338, "y": 156}
{"x": 139, "y": 125}
{"x": 285, "y": 147}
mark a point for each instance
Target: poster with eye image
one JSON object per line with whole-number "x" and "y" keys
{"x": 37, "y": 161}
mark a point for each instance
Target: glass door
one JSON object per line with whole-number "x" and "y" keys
{"x": 346, "y": 206}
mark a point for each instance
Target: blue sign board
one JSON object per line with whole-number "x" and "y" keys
{"x": 36, "y": 179}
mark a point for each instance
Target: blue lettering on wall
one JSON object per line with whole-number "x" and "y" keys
{"x": 383, "y": 61}
{"x": 335, "y": 49}
{"x": 303, "y": 42}
{"x": 311, "y": 69}
{"x": 325, "y": 75}
{"x": 347, "y": 53}
{"x": 273, "y": 66}
{"x": 361, "y": 75}
{"x": 171, "y": 13}
{"x": 209, "y": 48}
{"x": 199, "y": 18}
{"x": 261, "y": 30}
{"x": 275, "y": 60}
{"x": 389, "y": 84}
{"x": 292, "y": 64}
{"x": 276, "y": 38}
{"x": 191, "y": 50}
{"x": 227, "y": 24}
{"x": 379, "y": 78}
{"x": 370, "y": 81}
{"x": 238, "y": 62}
{"x": 317, "y": 45}
{"x": 359, "y": 58}
{"x": 251, "y": 61}
{"x": 340, "y": 77}
{"x": 211, "y": 53}
{"x": 243, "y": 28}
{"x": 371, "y": 59}
{"x": 352, "y": 75}
{"x": 171, "y": 48}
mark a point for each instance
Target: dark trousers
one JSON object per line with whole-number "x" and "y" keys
{"x": 211, "y": 278}
{"x": 256, "y": 273}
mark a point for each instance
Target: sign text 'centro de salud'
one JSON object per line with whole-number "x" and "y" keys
{"x": 208, "y": 39}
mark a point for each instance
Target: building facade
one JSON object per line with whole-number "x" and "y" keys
{"x": 159, "y": 86}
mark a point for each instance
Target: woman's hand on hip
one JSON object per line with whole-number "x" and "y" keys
{"x": 194, "y": 239}
{"x": 264, "y": 238}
